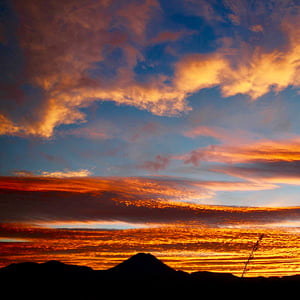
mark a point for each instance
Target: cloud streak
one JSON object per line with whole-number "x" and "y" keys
{"x": 54, "y": 174}
{"x": 262, "y": 150}
{"x": 281, "y": 172}
{"x": 262, "y": 160}
{"x": 136, "y": 200}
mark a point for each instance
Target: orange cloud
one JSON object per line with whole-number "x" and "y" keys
{"x": 156, "y": 97}
{"x": 267, "y": 71}
{"x": 198, "y": 71}
{"x": 280, "y": 172}
{"x": 132, "y": 190}
{"x": 254, "y": 71}
{"x": 7, "y": 126}
{"x": 255, "y": 75}
{"x": 262, "y": 150}
{"x": 261, "y": 161}
{"x": 64, "y": 107}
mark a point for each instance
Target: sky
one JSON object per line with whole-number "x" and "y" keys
{"x": 133, "y": 113}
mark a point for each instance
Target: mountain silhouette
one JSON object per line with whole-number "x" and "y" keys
{"x": 142, "y": 265}
{"x": 140, "y": 272}
{"x": 51, "y": 270}
{"x": 212, "y": 276}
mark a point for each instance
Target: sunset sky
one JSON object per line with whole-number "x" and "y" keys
{"x": 147, "y": 115}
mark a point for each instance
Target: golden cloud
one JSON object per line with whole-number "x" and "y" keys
{"x": 198, "y": 71}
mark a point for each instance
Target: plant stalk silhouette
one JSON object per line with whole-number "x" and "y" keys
{"x": 251, "y": 255}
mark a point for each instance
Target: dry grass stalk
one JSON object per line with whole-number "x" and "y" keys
{"x": 251, "y": 255}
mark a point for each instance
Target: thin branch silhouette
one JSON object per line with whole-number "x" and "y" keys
{"x": 251, "y": 255}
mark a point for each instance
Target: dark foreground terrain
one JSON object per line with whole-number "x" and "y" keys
{"x": 142, "y": 276}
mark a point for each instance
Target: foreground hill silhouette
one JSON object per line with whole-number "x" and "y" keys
{"x": 141, "y": 271}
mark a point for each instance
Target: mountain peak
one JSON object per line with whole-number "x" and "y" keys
{"x": 144, "y": 258}
{"x": 142, "y": 264}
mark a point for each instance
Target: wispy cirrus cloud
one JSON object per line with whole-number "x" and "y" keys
{"x": 99, "y": 132}
{"x": 150, "y": 188}
{"x": 221, "y": 134}
{"x": 279, "y": 172}
{"x": 260, "y": 160}
{"x": 250, "y": 152}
